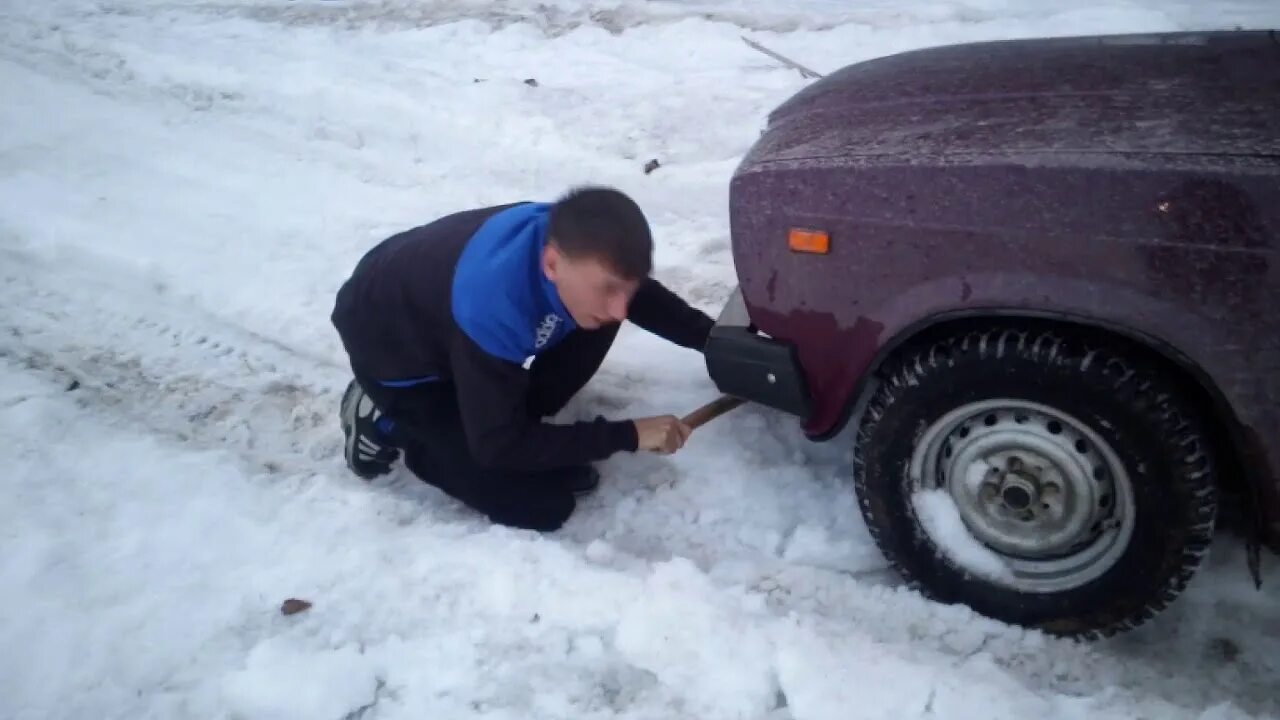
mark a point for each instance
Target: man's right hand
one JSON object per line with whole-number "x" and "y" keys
{"x": 664, "y": 434}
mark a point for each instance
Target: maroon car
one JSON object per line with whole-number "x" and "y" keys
{"x": 1039, "y": 279}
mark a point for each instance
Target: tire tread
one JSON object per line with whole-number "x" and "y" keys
{"x": 1084, "y": 353}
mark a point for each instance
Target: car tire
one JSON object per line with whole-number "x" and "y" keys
{"x": 1068, "y": 481}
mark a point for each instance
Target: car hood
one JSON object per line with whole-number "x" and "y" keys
{"x": 1212, "y": 93}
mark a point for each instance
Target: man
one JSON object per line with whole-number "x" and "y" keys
{"x": 466, "y": 333}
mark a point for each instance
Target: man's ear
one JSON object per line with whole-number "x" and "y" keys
{"x": 551, "y": 260}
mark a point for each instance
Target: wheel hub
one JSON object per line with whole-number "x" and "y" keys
{"x": 1018, "y": 494}
{"x": 1034, "y": 485}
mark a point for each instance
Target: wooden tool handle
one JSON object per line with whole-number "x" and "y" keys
{"x": 711, "y": 411}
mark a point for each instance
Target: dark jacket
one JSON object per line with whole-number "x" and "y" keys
{"x": 463, "y": 300}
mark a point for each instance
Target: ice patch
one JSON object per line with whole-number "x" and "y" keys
{"x": 941, "y": 519}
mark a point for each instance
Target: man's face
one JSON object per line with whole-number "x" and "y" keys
{"x": 593, "y": 294}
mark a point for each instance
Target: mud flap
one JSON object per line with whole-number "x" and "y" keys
{"x": 751, "y": 366}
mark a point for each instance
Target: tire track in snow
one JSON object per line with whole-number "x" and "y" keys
{"x": 95, "y": 58}
{"x": 174, "y": 369}
{"x": 157, "y": 361}
{"x": 558, "y": 19}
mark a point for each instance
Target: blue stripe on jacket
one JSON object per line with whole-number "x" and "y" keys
{"x": 501, "y": 298}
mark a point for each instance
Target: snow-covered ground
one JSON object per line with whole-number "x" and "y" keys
{"x": 183, "y": 186}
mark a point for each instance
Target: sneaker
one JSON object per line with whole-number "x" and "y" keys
{"x": 367, "y": 449}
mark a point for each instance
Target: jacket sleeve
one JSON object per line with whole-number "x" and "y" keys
{"x": 663, "y": 313}
{"x": 500, "y": 429}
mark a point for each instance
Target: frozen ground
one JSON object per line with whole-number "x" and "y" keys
{"x": 182, "y": 188}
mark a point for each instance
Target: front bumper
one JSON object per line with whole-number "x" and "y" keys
{"x": 751, "y": 366}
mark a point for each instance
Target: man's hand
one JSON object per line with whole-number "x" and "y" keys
{"x": 664, "y": 434}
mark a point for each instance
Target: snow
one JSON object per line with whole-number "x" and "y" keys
{"x": 183, "y": 186}
{"x": 285, "y": 682}
{"x": 680, "y": 628}
{"x": 940, "y": 517}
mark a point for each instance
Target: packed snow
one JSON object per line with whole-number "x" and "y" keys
{"x": 940, "y": 518}
{"x": 183, "y": 186}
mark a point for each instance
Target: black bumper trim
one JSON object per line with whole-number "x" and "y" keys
{"x": 753, "y": 367}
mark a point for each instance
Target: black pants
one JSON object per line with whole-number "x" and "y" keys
{"x": 429, "y": 431}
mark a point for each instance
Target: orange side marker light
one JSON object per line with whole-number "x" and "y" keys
{"x": 809, "y": 241}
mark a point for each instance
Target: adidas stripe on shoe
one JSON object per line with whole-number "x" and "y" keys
{"x": 367, "y": 450}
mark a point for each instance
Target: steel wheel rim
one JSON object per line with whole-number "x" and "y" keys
{"x": 1034, "y": 485}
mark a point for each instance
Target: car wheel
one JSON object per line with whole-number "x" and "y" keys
{"x": 1046, "y": 480}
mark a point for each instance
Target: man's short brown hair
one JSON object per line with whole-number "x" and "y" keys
{"x": 606, "y": 224}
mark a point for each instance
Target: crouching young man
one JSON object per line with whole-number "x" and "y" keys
{"x": 467, "y": 333}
